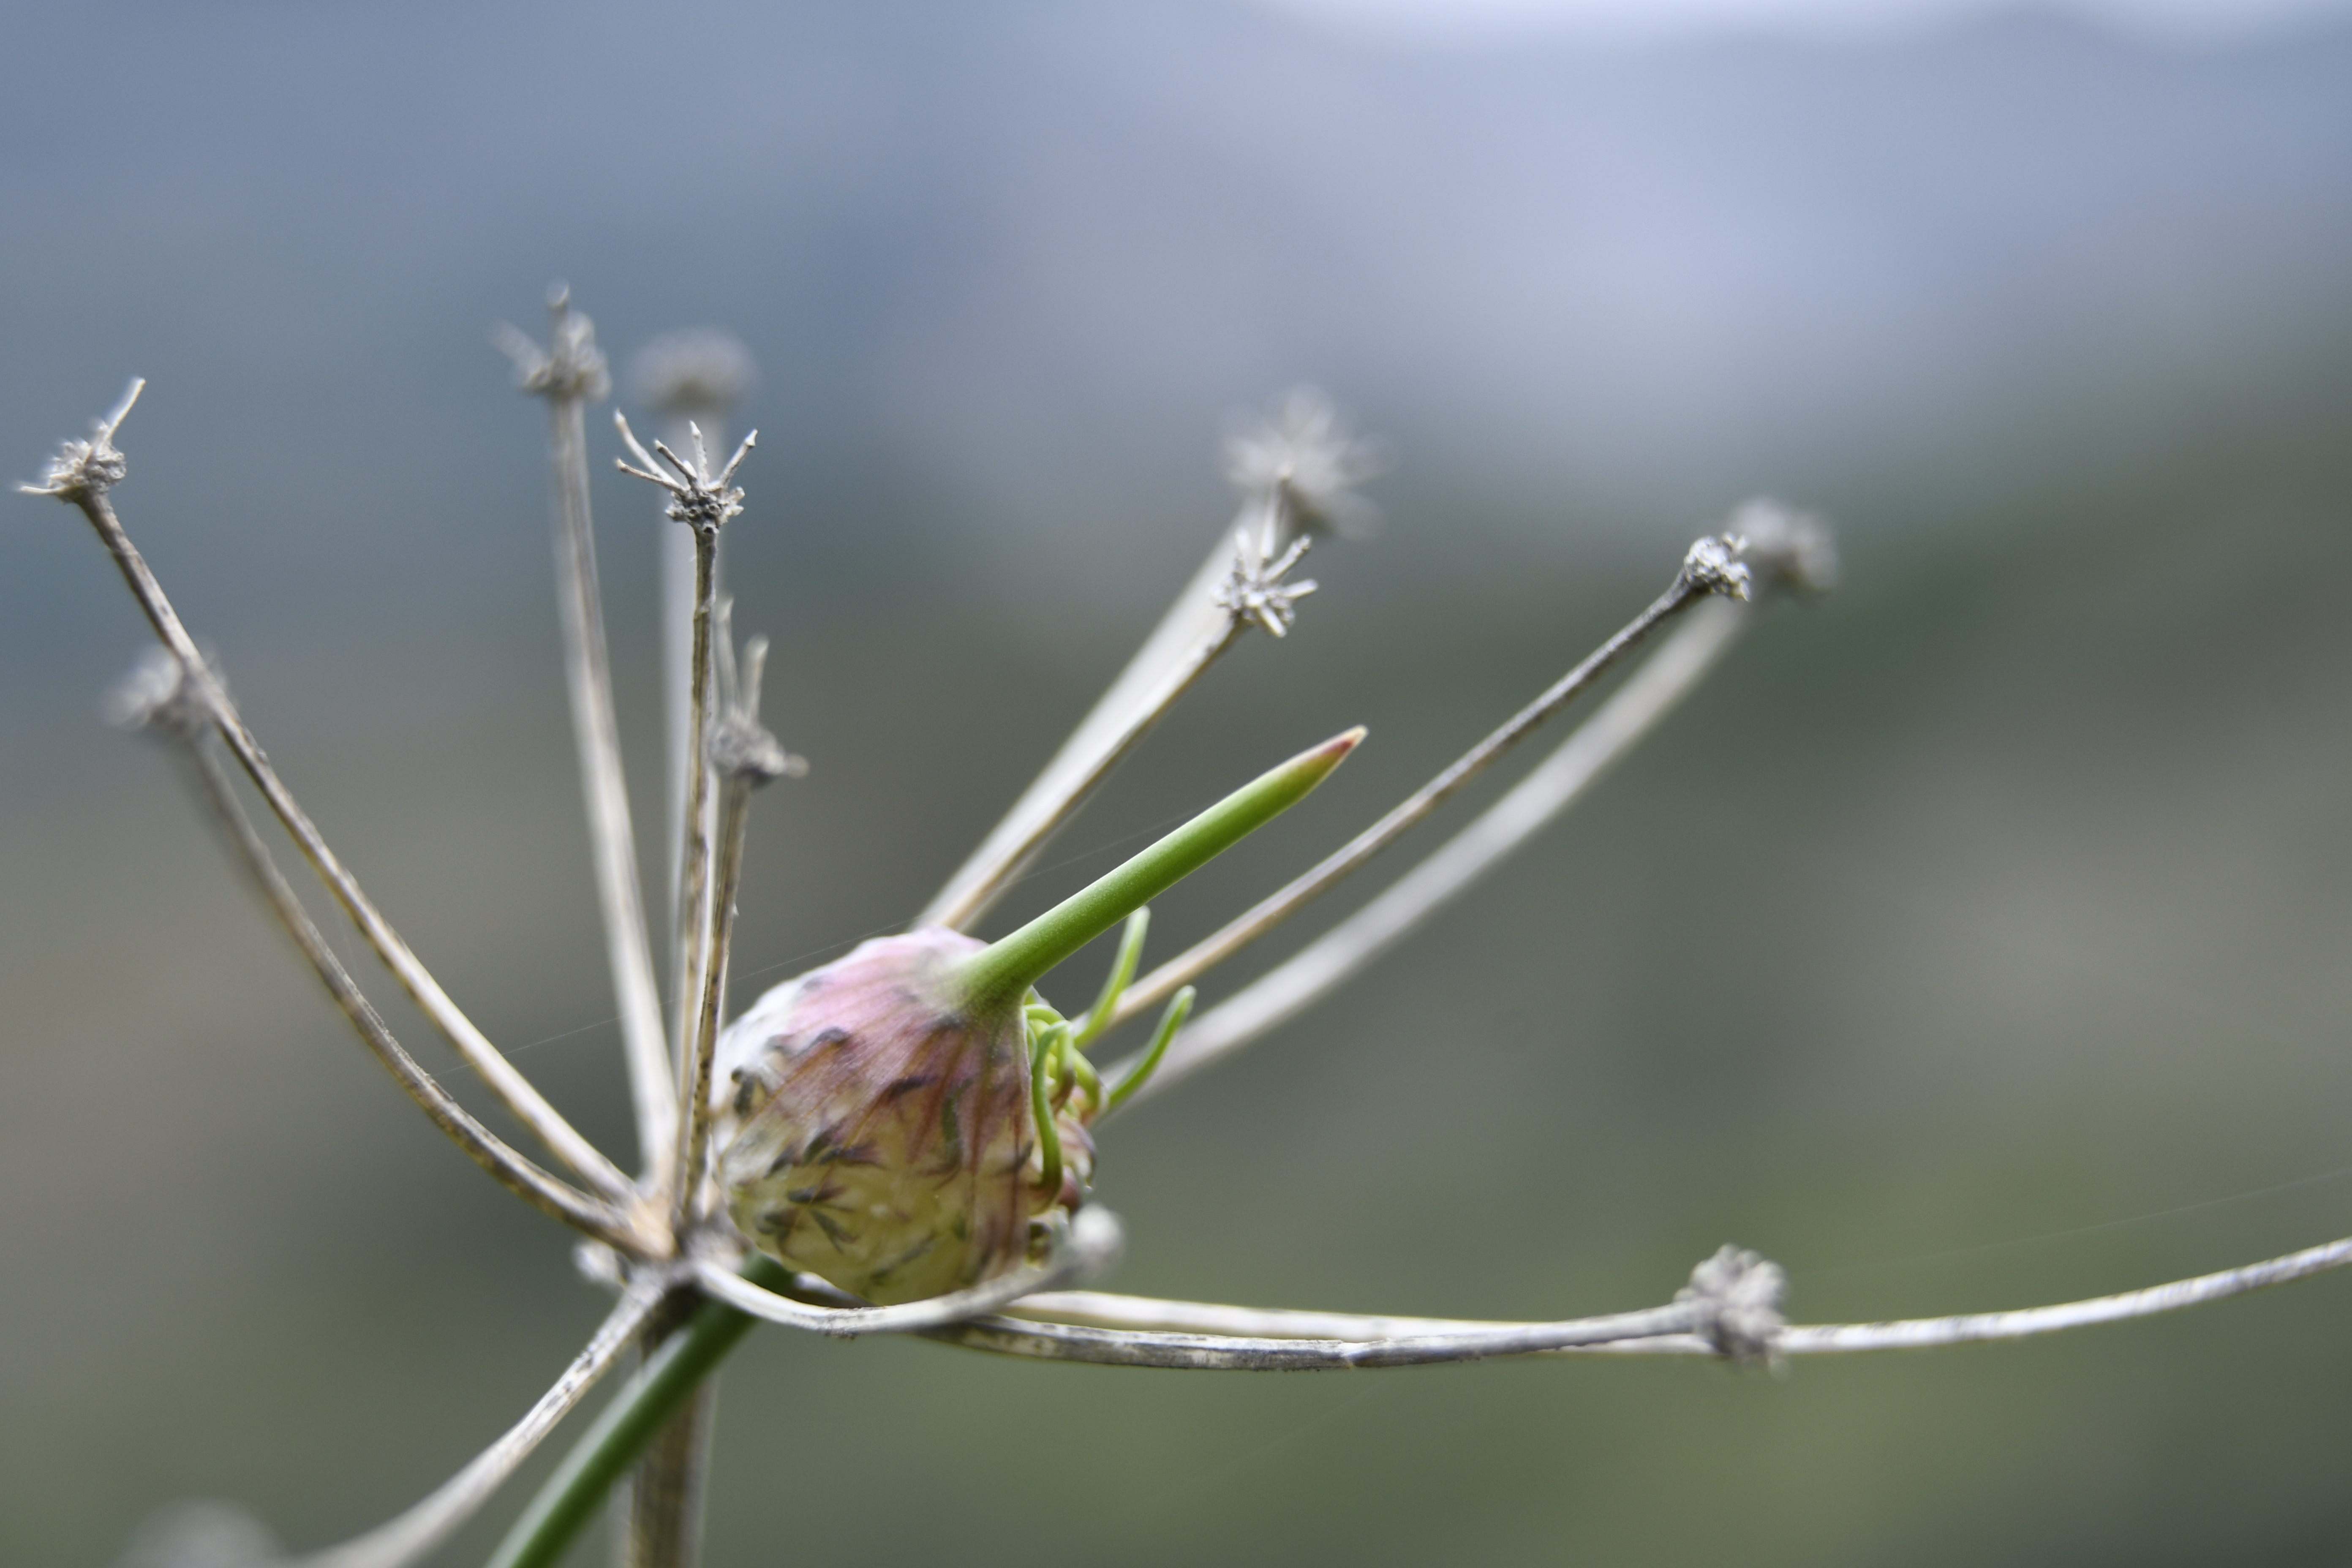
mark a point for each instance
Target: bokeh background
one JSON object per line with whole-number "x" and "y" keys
{"x": 1977, "y": 938}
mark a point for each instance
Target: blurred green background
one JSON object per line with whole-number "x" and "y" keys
{"x": 1974, "y": 939}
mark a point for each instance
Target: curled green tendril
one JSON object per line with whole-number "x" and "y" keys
{"x": 1179, "y": 1007}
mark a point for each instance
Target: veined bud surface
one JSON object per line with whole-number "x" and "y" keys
{"x": 883, "y": 1137}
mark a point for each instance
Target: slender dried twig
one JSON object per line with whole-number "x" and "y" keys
{"x": 1921, "y": 1333}
{"x": 1203, "y": 1319}
{"x": 81, "y": 474}
{"x": 569, "y": 374}
{"x": 744, "y": 755}
{"x": 688, "y": 377}
{"x": 412, "y": 1534}
{"x": 1709, "y": 568}
{"x": 1217, "y": 1353}
{"x": 1095, "y": 1309}
{"x": 704, "y": 502}
{"x": 694, "y": 902}
{"x": 1296, "y": 472}
{"x": 162, "y": 697}
{"x": 1106, "y": 1310}
{"x": 1731, "y": 1306}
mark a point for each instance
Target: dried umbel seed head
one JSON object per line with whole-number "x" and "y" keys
{"x": 883, "y": 1135}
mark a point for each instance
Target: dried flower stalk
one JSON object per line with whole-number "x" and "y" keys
{"x": 569, "y": 374}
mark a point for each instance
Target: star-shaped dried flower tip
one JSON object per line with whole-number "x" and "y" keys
{"x": 697, "y": 499}
{"x": 1305, "y": 459}
{"x": 740, "y": 745}
{"x": 88, "y": 467}
{"x": 1713, "y": 566}
{"x": 572, "y": 365}
{"x": 1254, "y": 590}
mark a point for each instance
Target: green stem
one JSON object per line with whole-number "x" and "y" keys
{"x": 1003, "y": 971}
{"x": 573, "y": 1495}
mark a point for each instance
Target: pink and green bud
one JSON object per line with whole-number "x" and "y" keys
{"x": 887, "y": 1110}
{"x": 888, "y": 1141}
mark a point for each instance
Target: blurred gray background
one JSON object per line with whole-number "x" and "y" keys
{"x": 1976, "y": 939}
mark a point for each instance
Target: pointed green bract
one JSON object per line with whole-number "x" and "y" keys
{"x": 1003, "y": 971}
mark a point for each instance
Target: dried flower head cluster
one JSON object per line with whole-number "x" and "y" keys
{"x": 82, "y": 469}
{"x": 903, "y": 1139}
{"x": 698, "y": 499}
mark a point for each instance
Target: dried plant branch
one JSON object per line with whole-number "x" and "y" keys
{"x": 1922, "y": 1333}
{"x": 1709, "y": 568}
{"x": 1220, "y": 1352}
{"x": 704, "y": 502}
{"x": 694, "y": 900}
{"x": 160, "y": 697}
{"x": 1102, "y": 1310}
{"x": 1732, "y": 1308}
{"x": 569, "y": 374}
{"x": 415, "y": 1534}
{"x": 1098, "y": 1309}
{"x": 1216, "y": 1322}
{"x": 1296, "y": 472}
{"x": 82, "y": 475}
{"x": 745, "y": 756}
{"x": 688, "y": 377}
